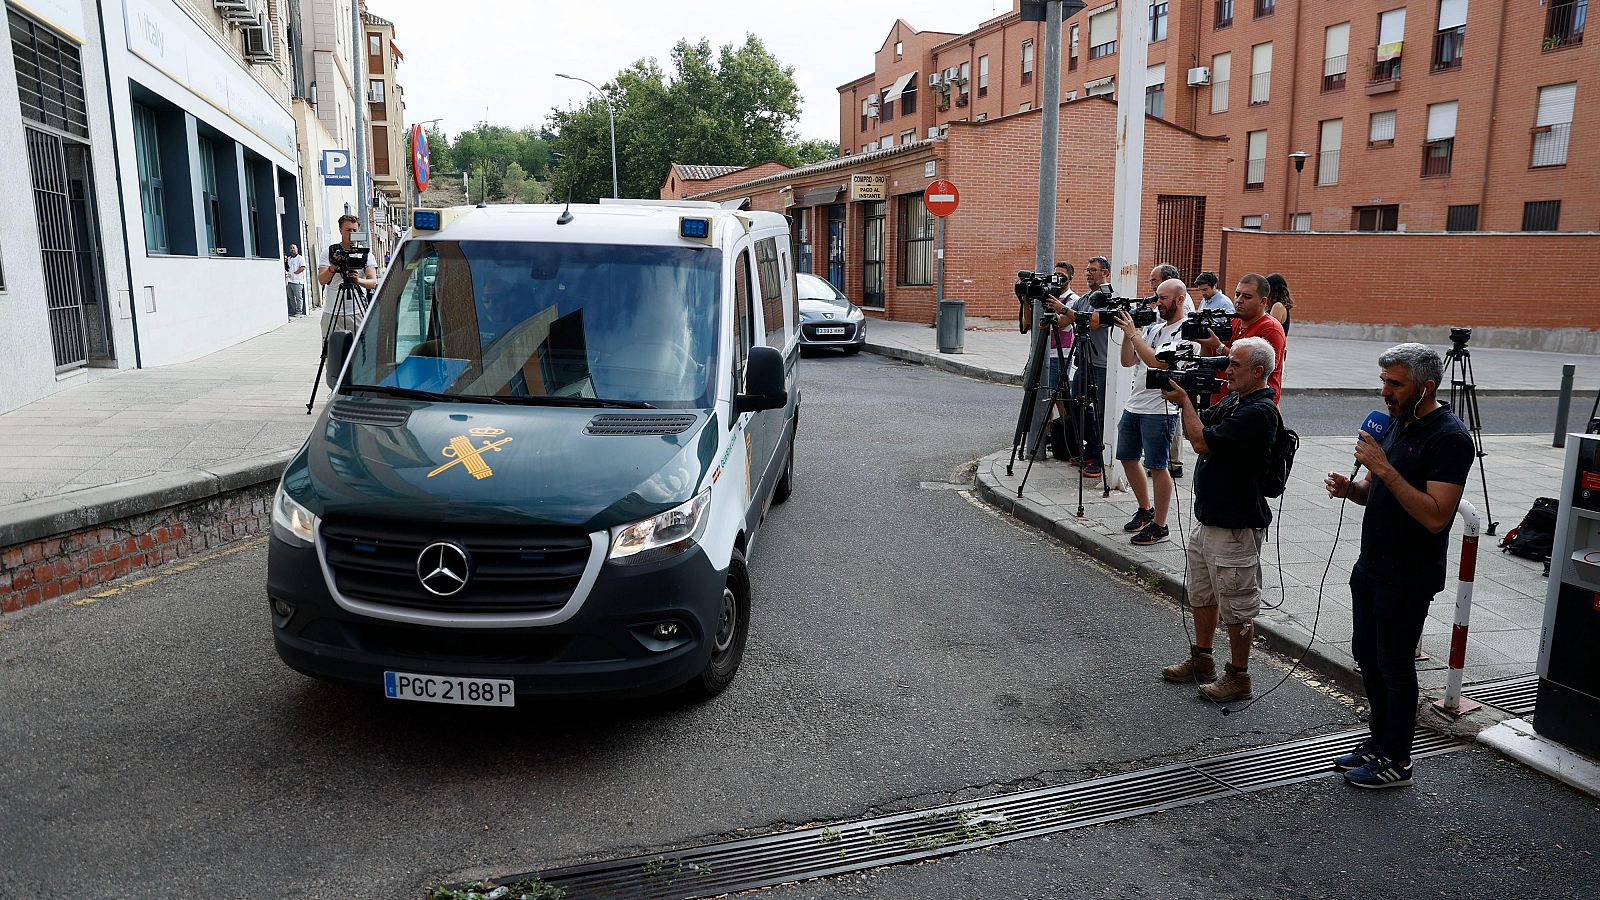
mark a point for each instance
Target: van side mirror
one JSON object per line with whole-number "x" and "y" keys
{"x": 763, "y": 382}
{"x": 339, "y": 344}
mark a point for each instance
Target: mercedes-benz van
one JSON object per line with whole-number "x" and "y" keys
{"x": 550, "y": 447}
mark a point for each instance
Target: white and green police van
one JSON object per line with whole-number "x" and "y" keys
{"x": 550, "y": 448}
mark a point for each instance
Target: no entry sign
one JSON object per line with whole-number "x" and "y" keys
{"x": 941, "y": 198}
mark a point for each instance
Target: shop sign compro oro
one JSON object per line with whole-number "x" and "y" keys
{"x": 869, "y": 187}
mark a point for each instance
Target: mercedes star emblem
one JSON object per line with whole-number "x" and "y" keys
{"x": 443, "y": 568}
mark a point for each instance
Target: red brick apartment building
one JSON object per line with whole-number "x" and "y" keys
{"x": 1431, "y": 116}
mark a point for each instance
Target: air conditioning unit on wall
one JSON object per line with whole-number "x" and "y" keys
{"x": 258, "y": 44}
{"x": 934, "y": 80}
{"x": 1199, "y": 75}
{"x": 239, "y": 12}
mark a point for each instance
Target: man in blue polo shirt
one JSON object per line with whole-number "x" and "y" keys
{"x": 1414, "y": 483}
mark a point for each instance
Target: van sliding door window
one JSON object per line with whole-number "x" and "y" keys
{"x": 742, "y": 339}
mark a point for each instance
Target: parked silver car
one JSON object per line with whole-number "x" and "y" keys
{"x": 828, "y": 318}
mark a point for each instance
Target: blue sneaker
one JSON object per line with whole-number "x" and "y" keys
{"x": 1382, "y": 772}
{"x": 1365, "y": 752}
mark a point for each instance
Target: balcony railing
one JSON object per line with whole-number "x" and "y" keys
{"x": 1255, "y": 173}
{"x": 1383, "y": 72}
{"x": 1260, "y": 88}
{"x": 1447, "y": 48}
{"x": 1563, "y": 23}
{"x": 1334, "y": 70}
{"x": 1550, "y": 144}
{"x": 1219, "y": 96}
{"x": 1328, "y": 167}
{"x": 1436, "y": 157}
{"x": 1266, "y": 7}
{"x": 1224, "y": 13}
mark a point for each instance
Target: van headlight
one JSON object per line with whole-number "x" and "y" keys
{"x": 662, "y": 535}
{"x": 291, "y": 522}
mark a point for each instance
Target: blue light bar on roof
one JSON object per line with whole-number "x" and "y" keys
{"x": 694, "y": 227}
{"x": 425, "y": 219}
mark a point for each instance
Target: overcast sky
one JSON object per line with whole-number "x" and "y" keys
{"x": 464, "y": 56}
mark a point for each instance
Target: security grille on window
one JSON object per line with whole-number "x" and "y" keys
{"x": 916, "y": 241}
{"x": 1335, "y": 56}
{"x": 1380, "y": 129}
{"x": 1541, "y": 215}
{"x": 1255, "y": 167}
{"x": 1266, "y": 7}
{"x": 1328, "y": 151}
{"x": 1451, "y": 36}
{"x": 1302, "y": 221}
{"x": 1155, "y": 87}
{"x": 1552, "y": 124}
{"x": 1260, "y": 73}
{"x": 1461, "y": 218}
{"x": 1224, "y": 14}
{"x": 1027, "y": 62}
{"x": 1563, "y": 23}
{"x": 49, "y": 77}
{"x": 1250, "y": 222}
{"x": 1436, "y": 153}
{"x": 1221, "y": 71}
{"x": 1103, "y": 32}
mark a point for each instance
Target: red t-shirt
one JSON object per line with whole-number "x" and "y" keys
{"x": 1268, "y": 329}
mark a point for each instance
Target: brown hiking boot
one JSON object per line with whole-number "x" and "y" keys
{"x": 1199, "y": 667}
{"x": 1233, "y": 685}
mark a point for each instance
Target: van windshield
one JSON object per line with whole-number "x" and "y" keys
{"x": 517, "y": 321}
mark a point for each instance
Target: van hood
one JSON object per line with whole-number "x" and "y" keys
{"x": 502, "y": 464}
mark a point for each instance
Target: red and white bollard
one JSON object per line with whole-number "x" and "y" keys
{"x": 1453, "y": 703}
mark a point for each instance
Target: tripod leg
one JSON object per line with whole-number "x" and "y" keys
{"x": 317, "y": 381}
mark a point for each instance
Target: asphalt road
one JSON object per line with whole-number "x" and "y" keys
{"x": 909, "y": 648}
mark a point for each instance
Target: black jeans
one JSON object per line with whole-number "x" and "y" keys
{"x": 1387, "y": 625}
{"x": 1095, "y": 390}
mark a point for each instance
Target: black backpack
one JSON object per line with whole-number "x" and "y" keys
{"x": 1536, "y": 536}
{"x": 1280, "y": 459}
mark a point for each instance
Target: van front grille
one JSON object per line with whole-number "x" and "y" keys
{"x": 511, "y": 569}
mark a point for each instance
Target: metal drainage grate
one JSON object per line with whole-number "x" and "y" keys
{"x": 1515, "y": 695}
{"x": 626, "y": 424}
{"x": 828, "y": 850}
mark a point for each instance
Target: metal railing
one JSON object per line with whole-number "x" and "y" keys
{"x": 1260, "y": 88}
{"x": 1219, "y": 96}
{"x": 1550, "y": 144}
{"x": 1563, "y": 23}
{"x": 1334, "y": 72}
{"x": 1224, "y": 14}
{"x": 1255, "y": 173}
{"x": 1447, "y": 48}
{"x": 1383, "y": 70}
{"x": 1328, "y": 167}
{"x": 1436, "y": 157}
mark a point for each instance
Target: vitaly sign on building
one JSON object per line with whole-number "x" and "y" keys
{"x": 869, "y": 187}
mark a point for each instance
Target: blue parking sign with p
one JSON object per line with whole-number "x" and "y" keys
{"x": 336, "y": 168}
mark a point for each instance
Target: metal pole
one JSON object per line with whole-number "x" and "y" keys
{"x": 1564, "y": 406}
{"x": 1045, "y": 236}
{"x": 611, "y": 114}
{"x": 1471, "y": 525}
{"x": 939, "y": 291}
{"x": 357, "y": 39}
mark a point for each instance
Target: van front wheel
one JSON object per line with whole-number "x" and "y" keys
{"x": 727, "y": 642}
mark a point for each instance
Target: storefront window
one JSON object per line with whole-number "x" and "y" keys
{"x": 916, "y": 241}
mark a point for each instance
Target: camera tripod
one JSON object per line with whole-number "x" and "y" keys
{"x": 1083, "y": 357}
{"x": 1464, "y": 402}
{"x": 349, "y": 303}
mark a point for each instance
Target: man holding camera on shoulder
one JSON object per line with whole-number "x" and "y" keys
{"x": 1250, "y": 303}
{"x": 1147, "y": 424}
{"x": 1090, "y": 381}
{"x": 1231, "y": 441}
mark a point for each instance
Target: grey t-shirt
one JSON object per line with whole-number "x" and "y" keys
{"x": 1100, "y": 337}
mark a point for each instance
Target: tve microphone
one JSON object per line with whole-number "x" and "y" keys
{"x": 1377, "y": 425}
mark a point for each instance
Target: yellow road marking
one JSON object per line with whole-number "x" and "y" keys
{"x": 170, "y": 571}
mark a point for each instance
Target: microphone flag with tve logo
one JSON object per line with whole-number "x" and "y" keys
{"x": 1377, "y": 425}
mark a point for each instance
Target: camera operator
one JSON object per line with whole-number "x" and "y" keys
{"x": 1250, "y": 301}
{"x": 1090, "y": 381}
{"x": 1147, "y": 423}
{"x": 328, "y": 266}
{"x": 1231, "y": 441}
{"x": 1058, "y": 301}
{"x": 1205, "y": 286}
{"x": 1414, "y": 483}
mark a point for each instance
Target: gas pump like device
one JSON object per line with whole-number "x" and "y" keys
{"x": 1568, "y": 710}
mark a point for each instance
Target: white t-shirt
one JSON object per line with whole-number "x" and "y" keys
{"x": 1143, "y": 400}
{"x": 297, "y": 262}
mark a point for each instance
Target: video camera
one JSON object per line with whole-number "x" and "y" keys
{"x": 1103, "y": 300}
{"x": 1194, "y": 374}
{"x": 1203, "y": 323}
{"x": 352, "y": 260}
{"x": 1033, "y": 286}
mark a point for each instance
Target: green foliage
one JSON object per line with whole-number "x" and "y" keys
{"x": 513, "y": 182}
{"x": 531, "y": 888}
{"x": 489, "y": 153}
{"x": 735, "y": 106}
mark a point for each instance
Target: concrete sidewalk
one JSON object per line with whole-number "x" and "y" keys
{"x": 994, "y": 351}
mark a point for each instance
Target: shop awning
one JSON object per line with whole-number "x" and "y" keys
{"x": 821, "y": 196}
{"x": 900, "y": 85}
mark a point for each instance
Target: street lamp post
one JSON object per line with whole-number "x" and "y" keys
{"x": 1299, "y": 157}
{"x": 615, "y": 192}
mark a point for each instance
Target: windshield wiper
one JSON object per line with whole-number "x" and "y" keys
{"x": 407, "y": 393}
{"x": 549, "y": 400}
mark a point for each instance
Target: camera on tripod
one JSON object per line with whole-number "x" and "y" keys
{"x": 1033, "y": 286}
{"x": 1194, "y": 374}
{"x": 1203, "y": 323}
{"x": 1102, "y": 300}
{"x": 350, "y": 261}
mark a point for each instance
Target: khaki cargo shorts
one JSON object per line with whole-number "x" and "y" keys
{"x": 1225, "y": 571}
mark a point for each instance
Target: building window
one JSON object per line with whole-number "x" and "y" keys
{"x": 1260, "y": 73}
{"x": 1027, "y": 62}
{"x": 1072, "y": 49}
{"x": 983, "y": 76}
{"x": 886, "y": 114}
{"x": 899, "y": 49}
{"x": 1332, "y": 134}
{"x": 1436, "y": 152}
{"x": 866, "y": 110}
{"x": 1541, "y": 215}
{"x": 1224, "y": 14}
{"x": 966, "y": 81}
{"x": 152, "y": 187}
{"x": 1391, "y": 40}
{"x": 1155, "y": 90}
{"x": 908, "y": 136}
{"x": 1302, "y": 221}
{"x": 1552, "y": 124}
{"x": 1376, "y": 218}
{"x": 908, "y": 99}
{"x": 375, "y": 90}
{"x": 1221, "y": 71}
{"x": 1380, "y": 129}
{"x": 1158, "y": 22}
{"x": 1255, "y": 166}
{"x": 380, "y": 150}
{"x": 1103, "y": 33}
{"x": 1461, "y": 218}
{"x": 1024, "y": 106}
{"x": 210, "y": 200}
{"x": 916, "y": 241}
{"x": 886, "y": 142}
{"x": 1563, "y": 23}
{"x": 1335, "y": 56}
{"x": 374, "y": 44}
{"x": 1250, "y": 222}
{"x": 1106, "y": 86}
{"x": 1451, "y": 34}
{"x": 1266, "y": 8}
{"x": 981, "y": 117}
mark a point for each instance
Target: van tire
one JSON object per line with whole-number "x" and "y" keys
{"x": 785, "y": 485}
{"x": 724, "y": 663}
